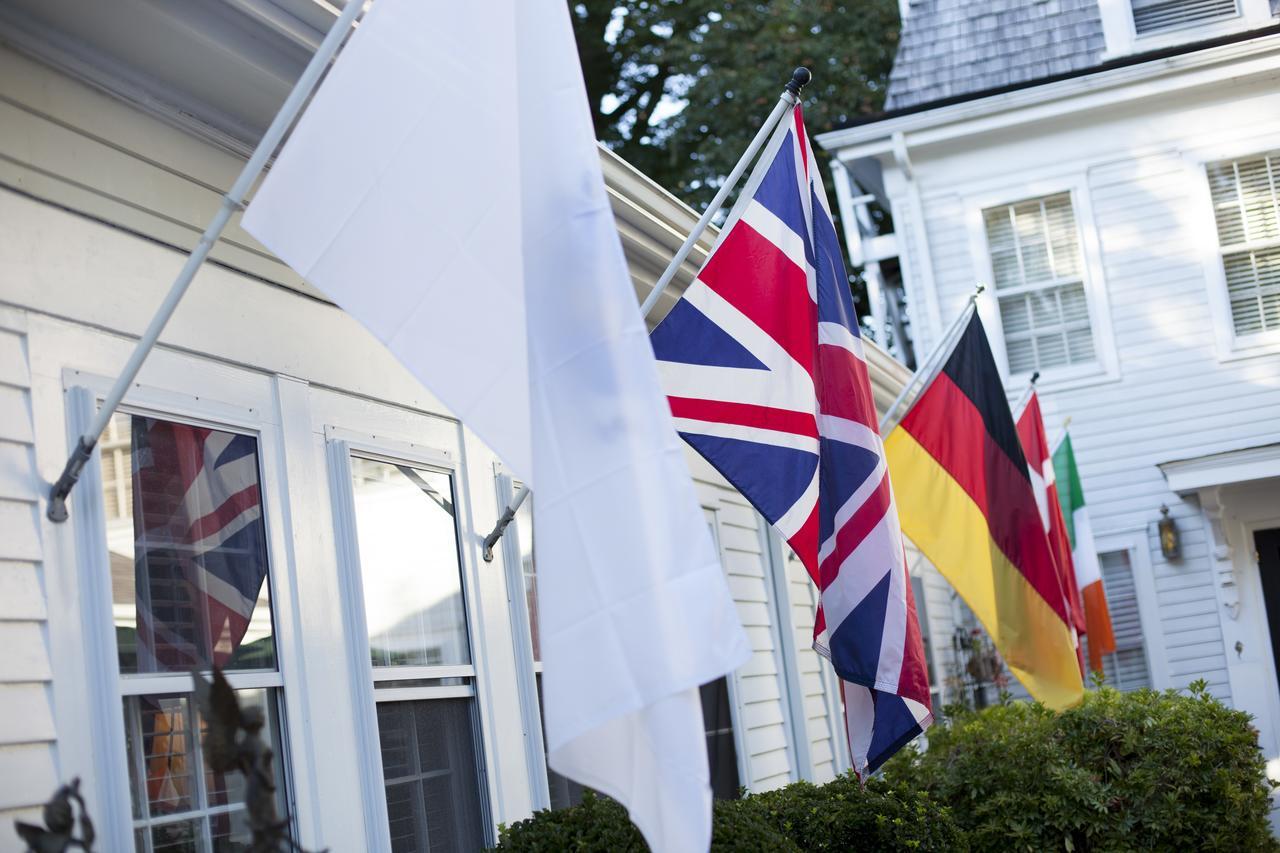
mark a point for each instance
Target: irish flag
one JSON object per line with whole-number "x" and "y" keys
{"x": 1102, "y": 639}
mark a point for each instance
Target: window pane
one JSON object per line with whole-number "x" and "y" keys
{"x": 188, "y": 548}
{"x": 166, "y": 763}
{"x": 409, "y": 565}
{"x": 429, "y": 765}
{"x": 722, "y": 752}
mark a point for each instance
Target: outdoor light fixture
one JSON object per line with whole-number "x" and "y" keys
{"x": 1170, "y": 544}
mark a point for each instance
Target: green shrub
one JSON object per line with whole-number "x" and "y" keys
{"x": 841, "y": 815}
{"x": 1123, "y": 771}
{"x": 600, "y": 824}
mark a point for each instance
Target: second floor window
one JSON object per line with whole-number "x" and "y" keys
{"x": 1154, "y": 16}
{"x": 1246, "y": 208}
{"x": 1038, "y": 275}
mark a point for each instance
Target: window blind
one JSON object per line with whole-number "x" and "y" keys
{"x": 1150, "y": 16}
{"x": 1127, "y": 668}
{"x": 1246, "y": 207}
{"x": 1038, "y": 276}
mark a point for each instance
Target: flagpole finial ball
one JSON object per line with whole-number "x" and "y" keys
{"x": 799, "y": 79}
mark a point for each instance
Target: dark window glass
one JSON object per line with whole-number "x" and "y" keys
{"x": 722, "y": 753}
{"x": 429, "y": 753}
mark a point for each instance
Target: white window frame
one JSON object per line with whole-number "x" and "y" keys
{"x": 1196, "y": 161}
{"x": 1106, "y": 367}
{"x": 341, "y": 445}
{"x": 527, "y": 668}
{"x": 1137, "y": 545}
{"x": 1122, "y": 39}
{"x": 234, "y": 406}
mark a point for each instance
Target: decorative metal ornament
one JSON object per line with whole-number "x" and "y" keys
{"x": 58, "y": 833}
{"x": 1170, "y": 542}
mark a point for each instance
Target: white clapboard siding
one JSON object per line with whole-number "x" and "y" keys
{"x": 760, "y": 720}
{"x": 27, "y": 770}
{"x": 1155, "y": 285}
{"x": 813, "y": 683}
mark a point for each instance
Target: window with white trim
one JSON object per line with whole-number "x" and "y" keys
{"x": 1126, "y": 669}
{"x": 1246, "y": 209}
{"x": 420, "y": 650}
{"x": 1038, "y": 272}
{"x": 1156, "y": 16}
{"x": 190, "y": 589}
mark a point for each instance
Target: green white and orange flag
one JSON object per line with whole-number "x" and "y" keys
{"x": 965, "y": 499}
{"x": 1102, "y": 638}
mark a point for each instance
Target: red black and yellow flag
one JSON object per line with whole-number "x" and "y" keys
{"x": 965, "y": 499}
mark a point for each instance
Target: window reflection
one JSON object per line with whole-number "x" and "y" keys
{"x": 409, "y": 565}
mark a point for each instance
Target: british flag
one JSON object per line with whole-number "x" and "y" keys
{"x": 200, "y": 549}
{"x": 766, "y": 374}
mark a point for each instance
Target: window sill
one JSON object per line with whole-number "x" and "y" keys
{"x": 1055, "y": 379}
{"x": 1253, "y": 346}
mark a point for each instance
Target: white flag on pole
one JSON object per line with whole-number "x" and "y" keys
{"x": 444, "y": 188}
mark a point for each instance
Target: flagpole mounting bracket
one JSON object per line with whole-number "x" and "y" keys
{"x": 57, "y": 511}
{"x": 504, "y": 521}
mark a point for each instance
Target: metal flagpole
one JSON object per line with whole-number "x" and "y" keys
{"x": 790, "y": 95}
{"x": 1026, "y": 395}
{"x": 934, "y": 362}
{"x": 231, "y": 202}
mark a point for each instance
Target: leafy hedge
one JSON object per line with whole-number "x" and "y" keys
{"x": 841, "y": 815}
{"x": 1123, "y": 771}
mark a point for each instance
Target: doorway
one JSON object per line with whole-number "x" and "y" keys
{"x": 1267, "y": 543}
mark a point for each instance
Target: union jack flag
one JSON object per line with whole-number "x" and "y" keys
{"x": 200, "y": 549}
{"x": 765, "y": 371}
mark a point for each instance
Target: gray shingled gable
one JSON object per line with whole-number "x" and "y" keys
{"x": 957, "y": 47}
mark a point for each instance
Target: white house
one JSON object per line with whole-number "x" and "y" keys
{"x": 397, "y": 667}
{"x": 1110, "y": 170}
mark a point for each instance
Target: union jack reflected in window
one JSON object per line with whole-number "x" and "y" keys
{"x": 189, "y": 573}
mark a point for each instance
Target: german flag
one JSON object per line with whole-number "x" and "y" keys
{"x": 965, "y": 499}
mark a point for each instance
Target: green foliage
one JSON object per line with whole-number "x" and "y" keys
{"x": 1158, "y": 771}
{"x": 841, "y": 815}
{"x": 725, "y": 62}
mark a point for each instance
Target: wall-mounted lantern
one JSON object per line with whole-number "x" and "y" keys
{"x": 1170, "y": 544}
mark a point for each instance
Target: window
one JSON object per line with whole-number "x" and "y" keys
{"x": 1037, "y": 268}
{"x": 419, "y": 647}
{"x": 1246, "y": 208}
{"x": 1127, "y": 668}
{"x": 1152, "y": 16}
{"x": 190, "y": 589}
{"x": 926, "y": 633}
{"x": 722, "y": 752}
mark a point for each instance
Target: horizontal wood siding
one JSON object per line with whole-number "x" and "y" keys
{"x": 28, "y": 773}
{"x": 813, "y": 683}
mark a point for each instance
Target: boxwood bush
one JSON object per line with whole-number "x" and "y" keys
{"x": 841, "y": 815}
{"x": 1123, "y": 771}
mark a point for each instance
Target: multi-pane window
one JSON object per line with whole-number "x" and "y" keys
{"x": 419, "y": 646}
{"x": 190, "y": 590}
{"x": 1246, "y": 208}
{"x": 1127, "y": 668}
{"x": 1038, "y": 275}
{"x": 1153, "y": 16}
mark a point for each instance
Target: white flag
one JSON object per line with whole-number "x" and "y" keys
{"x": 444, "y": 188}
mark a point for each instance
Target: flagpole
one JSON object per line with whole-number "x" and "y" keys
{"x": 1026, "y": 395}
{"x": 790, "y": 95}
{"x": 231, "y": 201}
{"x": 933, "y": 363}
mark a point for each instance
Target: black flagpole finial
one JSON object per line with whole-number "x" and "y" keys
{"x": 799, "y": 79}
